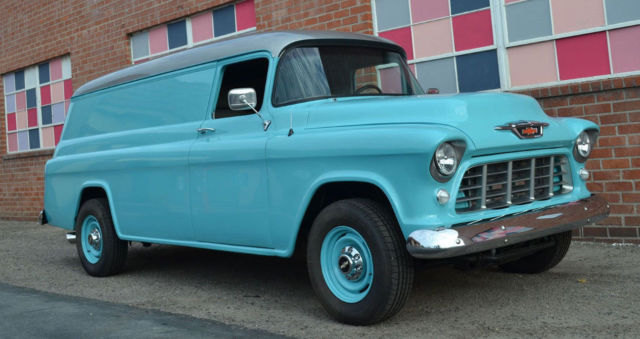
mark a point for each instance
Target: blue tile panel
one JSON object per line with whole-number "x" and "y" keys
{"x": 177, "y": 32}
{"x": 19, "y": 78}
{"x": 392, "y": 14}
{"x": 43, "y": 72}
{"x": 46, "y": 115}
{"x": 34, "y": 138}
{"x": 438, "y": 74}
{"x": 31, "y": 98}
{"x": 9, "y": 83}
{"x": 23, "y": 140}
{"x": 528, "y": 20}
{"x": 461, "y": 6}
{"x": 478, "y": 71}
{"x": 622, "y": 10}
{"x": 224, "y": 21}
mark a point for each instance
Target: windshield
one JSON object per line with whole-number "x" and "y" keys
{"x": 307, "y": 73}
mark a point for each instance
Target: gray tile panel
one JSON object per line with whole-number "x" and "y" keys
{"x": 528, "y": 20}
{"x": 438, "y": 74}
{"x": 392, "y": 14}
{"x": 622, "y": 10}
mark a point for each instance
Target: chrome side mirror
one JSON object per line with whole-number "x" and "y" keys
{"x": 242, "y": 98}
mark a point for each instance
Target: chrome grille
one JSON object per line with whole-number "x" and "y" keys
{"x": 519, "y": 181}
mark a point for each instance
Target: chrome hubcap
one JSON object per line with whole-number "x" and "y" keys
{"x": 94, "y": 239}
{"x": 350, "y": 263}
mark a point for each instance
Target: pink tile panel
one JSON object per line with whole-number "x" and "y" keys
{"x": 625, "y": 49}
{"x": 11, "y": 122}
{"x": 472, "y": 30}
{"x": 510, "y": 1}
{"x": 45, "y": 95}
{"x": 32, "y": 117}
{"x": 532, "y": 64}
{"x": 583, "y": 56}
{"x": 48, "y": 139}
{"x": 402, "y": 37}
{"x": 55, "y": 69}
{"x": 432, "y": 38}
{"x": 68, "y": 89}
{"x": 158, "y": 40}
{"x": 21, "y": 101}
{"x": 245, "y": 15}
{"x": 13, "y": 142}
{"x": 202, "y": 26}
{"x": 574, "y": 15}
{"x": 423, "y": 10}
{"x": 22, "y": 119}
{"x": 57, "y": 92}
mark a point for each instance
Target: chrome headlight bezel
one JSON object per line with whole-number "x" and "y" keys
{"x": 584, "y": 144}
{"x": 446, "y": 160}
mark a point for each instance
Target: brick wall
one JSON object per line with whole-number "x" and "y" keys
{"x": 615, "y": 163}
{"x": 95, "y": 34}
{"x": 347, "y": 15}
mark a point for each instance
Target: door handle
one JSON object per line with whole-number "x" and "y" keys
{"x": 206, "y": 130}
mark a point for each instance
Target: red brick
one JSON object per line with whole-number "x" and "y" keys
{"x": 606, "y": 175}
{"x": 632, "y": 93}
{"x": 612, "y": 141}
{"x": 597, "y": 108}
{"x": 631, "y": 197}
{"x": 629, "y": 129}
{"x": 595, "y": 187}
{"x": 570, "y": 111}
{"x": 590, "y": 231}
{"x": 601, "y": 153}
{"x": 632, "y": 220}
{"x": 622, "y": 209}
{"x": 608, "y": 130}
{"x": 626, "y": 106}
{"x": 555, "y": 102}
{"x": 616, "y": 118}
{"x": 627, "y": 152}
{"x": 631, "y": 174}
{"x": 615, "y": 163}
{"x": 582, "y": 99}
{"x": 619, "y": 186}
{"x": 627, "y": 232}
{"x": 634, "y": 139}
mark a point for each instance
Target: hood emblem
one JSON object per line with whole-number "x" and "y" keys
{"x": 524, "y": 129}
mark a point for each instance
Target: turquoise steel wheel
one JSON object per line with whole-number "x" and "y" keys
{"x": 100, "y": 250}
{"x": 346, "y": 263}
{"x": 358, "y": 264}
{"x": 91, "y": 239}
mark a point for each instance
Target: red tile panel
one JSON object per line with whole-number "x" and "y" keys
{"x": 402, "y": 37}
{"x": 583, "y": 56}
{"x": 473, "y": 30}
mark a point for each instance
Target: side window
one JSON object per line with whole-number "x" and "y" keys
{"x": 246, "y": 74}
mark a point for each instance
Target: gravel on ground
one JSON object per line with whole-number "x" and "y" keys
{"x": 593, "y": 292}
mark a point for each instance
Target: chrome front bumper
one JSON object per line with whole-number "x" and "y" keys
{"x": 483, "y": 236}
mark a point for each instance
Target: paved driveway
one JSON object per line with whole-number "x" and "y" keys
{"x": 595, "y": 291}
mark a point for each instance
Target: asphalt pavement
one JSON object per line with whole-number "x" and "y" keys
{"x": 594, "y": 292}
{"x": 27, "y": 313}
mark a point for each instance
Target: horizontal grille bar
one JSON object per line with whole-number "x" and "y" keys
{"x": 518, "y": 181}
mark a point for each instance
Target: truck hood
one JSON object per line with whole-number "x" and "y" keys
{"x": 476, "y": 115}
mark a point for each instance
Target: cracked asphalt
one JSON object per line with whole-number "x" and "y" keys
{"x": 594, "y": 292}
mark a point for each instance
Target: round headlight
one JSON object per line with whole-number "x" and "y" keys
{"x": 446, "y": 159}
{"x": 584, "y": 145}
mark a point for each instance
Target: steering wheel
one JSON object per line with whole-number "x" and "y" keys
{"x": 367, "y": 87}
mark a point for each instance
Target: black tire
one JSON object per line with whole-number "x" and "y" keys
{"x": 392, "y": 276}
{"x": 543, "y": 260}
{"x": 113, "y": 250}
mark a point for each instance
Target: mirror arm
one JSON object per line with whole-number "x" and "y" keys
{"x": 265, "y": 123}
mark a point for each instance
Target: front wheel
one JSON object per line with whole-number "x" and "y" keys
{"x": 100, "y": 250}
{"x": 358, "y": 263}
{"x": 544, "y": 260}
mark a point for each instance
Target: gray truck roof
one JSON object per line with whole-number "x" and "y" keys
{"x": 272, "y": 42}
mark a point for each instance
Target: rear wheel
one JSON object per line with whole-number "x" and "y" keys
{"x": 544, "y": 260}
{"x": 100, "y": 250}
{"x": 357, "y": 262}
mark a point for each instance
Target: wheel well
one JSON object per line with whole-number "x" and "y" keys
{"x": 89, "y": 193}
{"x": 332, "y": 192}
